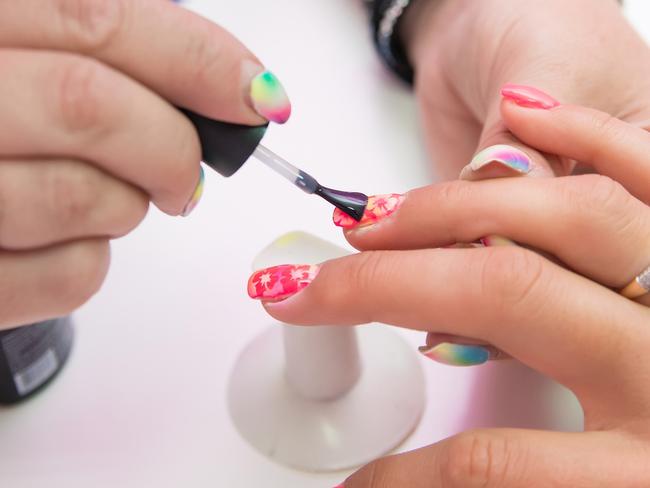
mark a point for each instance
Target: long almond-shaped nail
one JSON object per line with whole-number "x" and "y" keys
{"x": 506, "y": 156}
{"x": 196, "y": 196}
{"x": 528, "y": 96}
{"x": 269, "y": 98}
{"x": 280, "y": 282}
{"x": 456, "y": 354}
{"x": 379, "y": 207}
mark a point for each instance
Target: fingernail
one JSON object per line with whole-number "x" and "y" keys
{"x": 507, "y": 156}
{"x": 497, "y": 241}
{"x": 456, "y": 354}
{"x": 269, "y": 98}
{"x": 379, "y": 207}
{"x": 528, "y": 96}
{"x": 280, "y": 282}
{"x": 196, "y": 196}
{"x": 340, "y": 486}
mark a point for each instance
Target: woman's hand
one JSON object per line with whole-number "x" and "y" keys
{"x": 90, "y": 134}
{"x": 463, "y": 51}
{"x": 561, "y": 315}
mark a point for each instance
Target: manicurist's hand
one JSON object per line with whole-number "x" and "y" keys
{"x": 577, "y": 315}
{"x": 90, "y": 133}
{"x": 463, "y": 51}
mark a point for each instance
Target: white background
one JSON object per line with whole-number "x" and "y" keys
{"x": 142, "y": 401}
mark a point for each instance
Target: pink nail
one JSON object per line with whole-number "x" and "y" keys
{"x": 528, "y": 96}
{"x": 280, "y": 282}
{"x": 379, "y": 207}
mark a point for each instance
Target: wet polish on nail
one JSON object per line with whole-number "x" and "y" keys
{"x": 456, "y": 354}
{"x": 379, "y": 207}
{"x": 196, "y": 196}
{"x": 269, "y": 98}
{"x": 280, "y": 282}
{"x": 528, "y": 96}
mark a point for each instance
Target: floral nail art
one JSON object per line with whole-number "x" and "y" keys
{"x": 379, "y": 207}
{"x": 280, "y": 282}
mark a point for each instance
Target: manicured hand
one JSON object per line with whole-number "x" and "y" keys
{"x": 464, "y": 51}
{"x": 560, "y": 313}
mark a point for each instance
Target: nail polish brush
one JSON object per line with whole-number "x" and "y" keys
{"x": 227, "y": 146}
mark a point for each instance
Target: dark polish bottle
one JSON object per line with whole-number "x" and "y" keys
{"x": 31, "y": 356}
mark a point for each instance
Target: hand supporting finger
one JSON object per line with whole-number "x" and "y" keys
{"x": 609, "y": 145}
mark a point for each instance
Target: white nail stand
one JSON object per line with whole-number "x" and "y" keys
{"x": 324, "y": 398}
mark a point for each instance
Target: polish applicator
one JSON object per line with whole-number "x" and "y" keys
{"x": 227, "y": 146}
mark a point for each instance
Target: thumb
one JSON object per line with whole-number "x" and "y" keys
{"x": 501, "y": 154}
{"x": 511, "y": 458}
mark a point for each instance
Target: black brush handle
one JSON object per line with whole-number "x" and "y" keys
{"x": 225, "y": 146}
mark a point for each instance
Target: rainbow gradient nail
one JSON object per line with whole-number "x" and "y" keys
{"x": 456, "y": 354}
{"x": 505, "y": 155}
{"x": 196, "y": 196}
{"x": 269, "y": 98}
{"x": 379, "y": 207}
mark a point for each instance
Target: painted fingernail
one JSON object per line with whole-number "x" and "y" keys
{"x": 456, "y": 354}
{"x": 506, "y": 156}
{"x": 528, "y": 96}
{"x": 379, "y": 207}
{"x": 196, "y": 196}
{"x": 497, "y": 241}
{"x": 342, "y": 485}
{"x": 280, "y": 282}
{"x": 269, "y": 98}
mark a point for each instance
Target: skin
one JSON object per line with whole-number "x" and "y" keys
{"x": 552, "y": 312}
{"x": 582, "y": 51}
{"x": 82, "y": 87}
{"x": 552, "y": 317}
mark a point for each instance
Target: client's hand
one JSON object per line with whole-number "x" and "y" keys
{"x": 561, "y": 314}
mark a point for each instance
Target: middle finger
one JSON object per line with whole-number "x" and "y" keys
{"x": 590, "y": 223}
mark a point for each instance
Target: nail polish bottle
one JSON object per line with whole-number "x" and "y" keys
{"x": 31, "y": 356}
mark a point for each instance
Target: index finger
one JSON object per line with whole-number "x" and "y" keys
{"x": 187, "y": 59}
{"x": 611, "y": 146}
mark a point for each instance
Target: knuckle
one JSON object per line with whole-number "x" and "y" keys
{"x": 478, "y": 459}
{"x": 607, "y": 130}
{"x": 511, "y": 278}
{"x": 204, "y": 55}
{"x": 602, "y": 198}
{"x": 91, "y": 24}
{"x": 80, "y": 95}
{"x": 83, "y": 274}
{"x": 129, "y": 212}
{"x": 365, "y": 272}
{"x": 72, "y": 192}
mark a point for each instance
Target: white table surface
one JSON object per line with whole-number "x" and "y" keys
{"x": 142, "y": 401}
